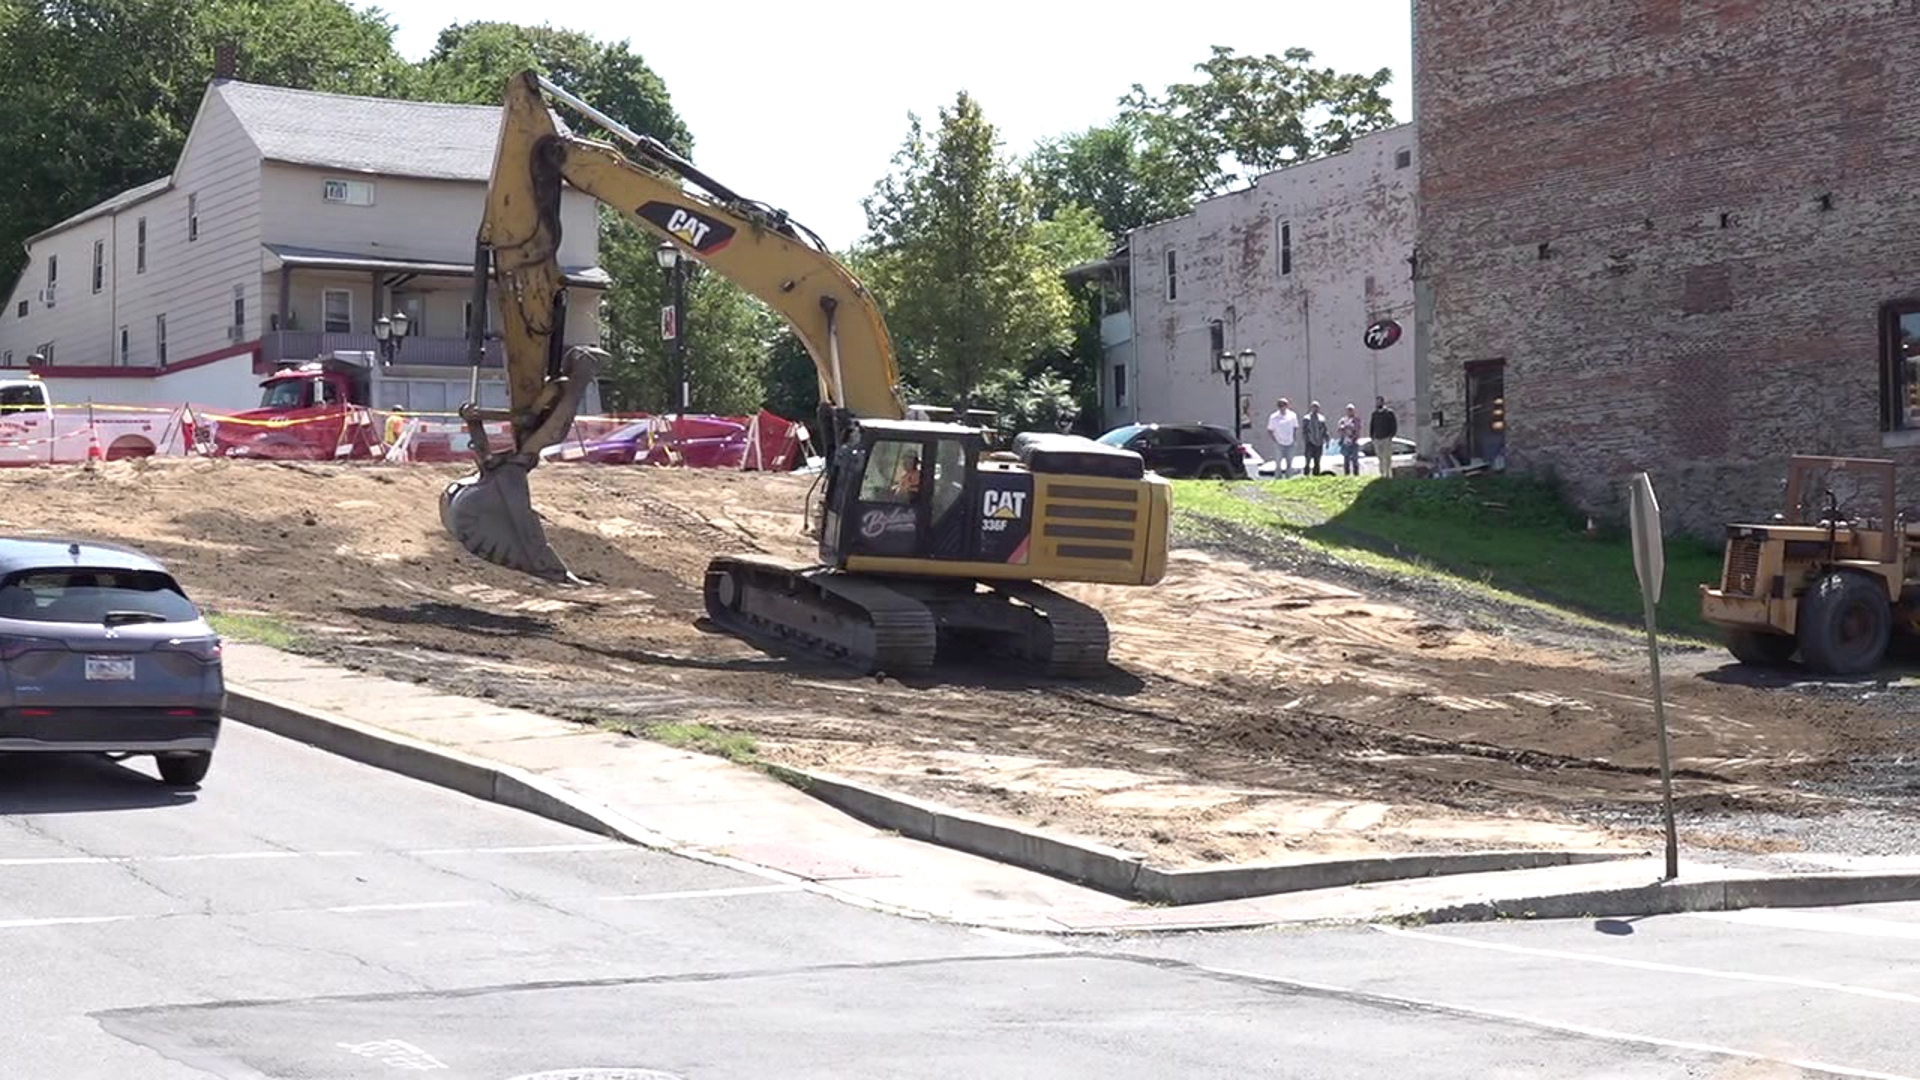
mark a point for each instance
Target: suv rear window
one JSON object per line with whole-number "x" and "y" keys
{"x": 71, "y": 594}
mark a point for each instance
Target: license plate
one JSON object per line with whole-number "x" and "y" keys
{"x": 110, "y": 668}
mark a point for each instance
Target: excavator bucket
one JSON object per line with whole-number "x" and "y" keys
{"x": 491, "y": 514}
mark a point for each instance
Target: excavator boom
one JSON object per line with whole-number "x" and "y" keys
{"x": 756, "y": 248}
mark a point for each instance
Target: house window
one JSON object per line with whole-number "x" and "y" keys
{"x": 1286, "y": 247}
{"x": 160, "y": 339}
{"x": 1900, "y": 365}
{"x": 99, "y": 264}
{"x": 140, "y": 246}
{"x": 125, "y": 346}
{"x": 45, "y": 352}
{"x": 348, "y": 192}
{"x": 1402, "y": 159}
{"x": 53, "y": 276}
{"x": 6, "y": 358}
{"x": 1173, "y": 291}
{"x": 336, "y": 314}
{"x": 1119, "y": 386}
{"x": 20, "y": 310}
{"x": 193, "y": 217}
{"x": 239, "y": 309}
{"x": 466, "y": 320}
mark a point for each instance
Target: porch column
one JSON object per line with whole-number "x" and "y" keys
{"x": 379, "y": 305}
{"x": 286, "y": 294}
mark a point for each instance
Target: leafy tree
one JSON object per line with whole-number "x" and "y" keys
{"x": 1114, "y": 170}
{"x": 1248, "y": 115}
{"x": 793, "y": 383}
{"x": 957, "y": 262}
{"x": 96, "y": 96}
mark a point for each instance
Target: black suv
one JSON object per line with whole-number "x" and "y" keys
{"x": 1184, "y": 450}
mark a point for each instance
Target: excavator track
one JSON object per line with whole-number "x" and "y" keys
{"x": 855, "y": 621}
{"x": 1064, "y": 638}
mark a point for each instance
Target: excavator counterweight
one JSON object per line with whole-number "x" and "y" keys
{"x": 926, "y": 535}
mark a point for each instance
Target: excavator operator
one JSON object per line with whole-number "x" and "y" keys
{"x": 907, "y": 484}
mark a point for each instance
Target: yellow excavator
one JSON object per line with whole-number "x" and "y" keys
{"x": 926, "y": 535}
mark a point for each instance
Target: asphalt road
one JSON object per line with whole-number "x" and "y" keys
{"x": 304, "y": 917}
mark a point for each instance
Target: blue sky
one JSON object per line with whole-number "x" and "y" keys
{"x": 802, "y": 106}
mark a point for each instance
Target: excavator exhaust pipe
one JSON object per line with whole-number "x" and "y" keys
{"x": 491, "y": 514}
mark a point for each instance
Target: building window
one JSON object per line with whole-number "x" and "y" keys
{"x": 348, "y": 192}
{"x": 99, "y": 264}
{"x": 1402, "y": 159}
{"x": 53, "y": 276}
{"x": 193, "y": 217}
{"x": 160, "y": 339}
{"x": 1900, "y": 365}
{"x": 1173, "y": 290}
{"x": 1119, "y": 386}
{"x": 20, "y": 310}
{"x": 6, "y": 358}
{"x": 1216, "y": 341}
{"x": 140, "y": 246}
{"x": 239, "y": 309}
{"x": 1286, "y": 247}
{"x": 336, "y": 316}
{"x": 125, "y": 346}
{"x": 466, "y": 320}
{"x": 45, "y": 352}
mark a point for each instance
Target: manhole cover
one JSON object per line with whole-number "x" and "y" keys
{"x": 599, "y": 1074}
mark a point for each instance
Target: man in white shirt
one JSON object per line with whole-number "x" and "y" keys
{"x": 1283, "y": 426}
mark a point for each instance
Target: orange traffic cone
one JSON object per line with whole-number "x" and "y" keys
{"x": 93, "y": 446}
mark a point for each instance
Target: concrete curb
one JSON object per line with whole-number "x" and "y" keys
{"x": 1675, "y": 897}
{"x": 1127, "y": 874}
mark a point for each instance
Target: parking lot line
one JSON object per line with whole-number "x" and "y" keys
{"x": 1654, "y": 965}
{"x": 1540, "y": 1023}
{"x": 241, "y": 856}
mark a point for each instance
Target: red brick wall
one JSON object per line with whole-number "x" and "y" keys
{"x": 1618, "y": 133}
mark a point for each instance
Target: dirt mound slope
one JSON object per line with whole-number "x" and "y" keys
{"x": 1251, "y": 714}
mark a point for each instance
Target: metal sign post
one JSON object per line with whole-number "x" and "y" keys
{"x": 1650, "y": 564}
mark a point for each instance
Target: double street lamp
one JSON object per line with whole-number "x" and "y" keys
{"x": 388, "y": 332}
{"x": 1233, "y": 369}
{"x": 673, "y": 321}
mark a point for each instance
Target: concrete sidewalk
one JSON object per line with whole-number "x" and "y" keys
{"x": 711, "y": 809}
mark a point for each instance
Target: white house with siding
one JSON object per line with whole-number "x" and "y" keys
{"x": 291, "y": 222}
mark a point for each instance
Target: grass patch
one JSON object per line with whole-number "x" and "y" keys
{"x": 1507, "y": 534}
{"x": 732, "y": 745}
{"x": 258, "y": 629}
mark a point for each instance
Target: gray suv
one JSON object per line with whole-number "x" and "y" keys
{"x": 101, "y": 651}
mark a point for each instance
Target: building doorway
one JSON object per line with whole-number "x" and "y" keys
{"x": 1486, "y": 409}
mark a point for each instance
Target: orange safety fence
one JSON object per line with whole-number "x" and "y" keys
{"x": 69, "y": 434}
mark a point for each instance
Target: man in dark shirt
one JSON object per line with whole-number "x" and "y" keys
{"x": 1383, "y": 427}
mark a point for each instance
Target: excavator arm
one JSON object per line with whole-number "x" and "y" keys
{"x": 755, "y": 247}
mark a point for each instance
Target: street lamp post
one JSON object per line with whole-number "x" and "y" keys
{"x": 1233, "y": 369}
{"x": 676, "y": 269}
{"x": 388, "y": 333}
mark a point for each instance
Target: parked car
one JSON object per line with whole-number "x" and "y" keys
{"x": 1184, "y": 450}
{"x": 1404, "y": 456}
{"x": 621, "y": 446}
{"x": 101, "y": 651}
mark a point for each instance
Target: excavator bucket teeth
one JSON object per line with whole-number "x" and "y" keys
{"x": 491, "y": 514}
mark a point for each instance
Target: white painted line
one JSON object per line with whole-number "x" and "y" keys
{"x": 71, "y": 920}
{"x": 1571, "y": 1029}
{"x": 1650, "y": 965}
{"x": 244, "y": 856}
{"x": 1817, "y": 921}
{"x": 356, "y": 909}
{"x": 702, "y": 894}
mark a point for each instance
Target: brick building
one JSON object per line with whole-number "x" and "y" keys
{"x": 1293, "y": 268}
{"x": 1673, "y": 235}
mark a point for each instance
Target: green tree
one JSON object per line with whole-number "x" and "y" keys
{"x": 1248, "y": 115}
{"x": 96, "y": 96}
{"x": 1114, "y": 170}
{"x": 956, "y": 260}
{"x": 729, "y": 333}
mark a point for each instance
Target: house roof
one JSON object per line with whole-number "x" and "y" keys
{"x": 314, "y": 258}
{"x": 424, "y": 139}
{"x": 108, "y": 206}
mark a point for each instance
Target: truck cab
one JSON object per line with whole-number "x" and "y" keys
{"x": 314, "y": 411}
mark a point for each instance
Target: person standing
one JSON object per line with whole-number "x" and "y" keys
{"x": 1283, "y": 426}
{"x": 1313, "y": 432}
{"x": 1382, "y": 428}
{"x": 1349, "y": 432}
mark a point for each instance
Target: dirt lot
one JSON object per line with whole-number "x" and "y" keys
{"x": 1252, "y": 713}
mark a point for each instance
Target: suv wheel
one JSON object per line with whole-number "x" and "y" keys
{"x": 1213, "y": 470}
{"x": 186, "y": 770}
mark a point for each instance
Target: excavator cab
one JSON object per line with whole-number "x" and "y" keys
{"x": 901, "y": 492}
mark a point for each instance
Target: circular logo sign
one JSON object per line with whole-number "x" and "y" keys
{"x": 1382, "y": 334}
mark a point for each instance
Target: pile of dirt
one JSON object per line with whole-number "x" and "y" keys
{"x": 1251, "y": 713}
